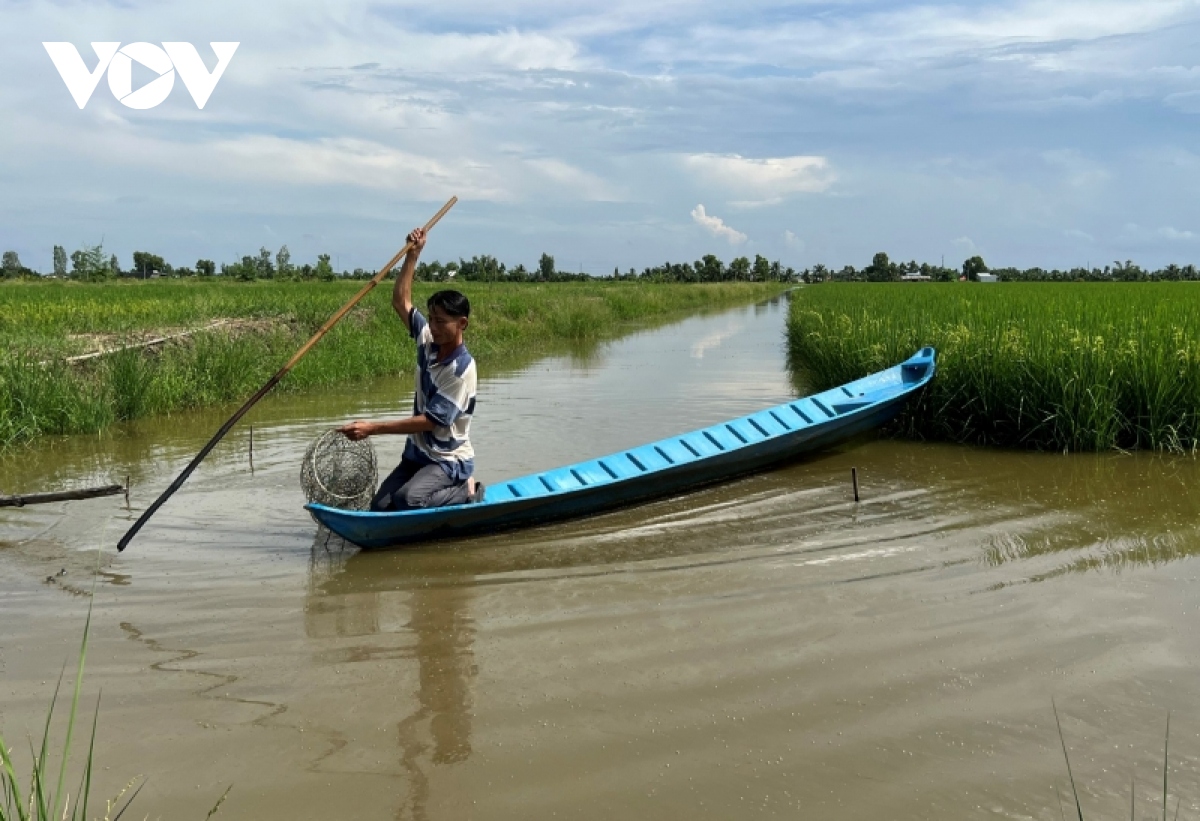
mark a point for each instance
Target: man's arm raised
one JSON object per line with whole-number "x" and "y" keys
{"x": 402, "y": 292}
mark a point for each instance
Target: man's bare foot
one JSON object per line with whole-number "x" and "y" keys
{"x": 475, "y": 491}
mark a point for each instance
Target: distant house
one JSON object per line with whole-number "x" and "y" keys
{"x": 915, "y": 278}
{"x": 988, "y": 278}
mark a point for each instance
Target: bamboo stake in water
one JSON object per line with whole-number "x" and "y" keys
{"x": 854, "y": 479}
{"x": 272, "y": 382}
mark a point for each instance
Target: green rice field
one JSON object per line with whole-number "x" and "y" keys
{"x": 262, "y": 324}
{"x": 1067, "y": 367}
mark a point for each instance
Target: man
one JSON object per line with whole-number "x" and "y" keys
{"x": 438, "y": 459}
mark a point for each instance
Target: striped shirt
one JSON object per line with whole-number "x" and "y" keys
{"x": 445, "y": 394}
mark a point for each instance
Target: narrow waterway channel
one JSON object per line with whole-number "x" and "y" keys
{"x": 766, "y": 648}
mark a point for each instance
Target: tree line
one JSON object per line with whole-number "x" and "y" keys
{"x": 92, "y": 264}
{"x": 882, "y": 269}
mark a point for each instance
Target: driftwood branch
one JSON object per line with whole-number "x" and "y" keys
{"x": 60, "y": 496}
{"x": 149, "y": 343}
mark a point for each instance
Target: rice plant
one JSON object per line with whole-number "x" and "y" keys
{"x": 41, "y": 324}
{"x": 1065, "y": 367}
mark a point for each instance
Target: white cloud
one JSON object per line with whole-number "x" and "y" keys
{"x": 1186, "y": 101}
{"x": 1080, "y": 171}
{"x": 354, "y": 162}
{"x": 575, "y": 182}
{"x": 717, "y": 227}
{"x": 1168, "y": 232}
{"x": 763, "y": 181}
{"x": 910, "y": 35}
{"x": 965, "y": 244}
{"x": 1142, "y": 235}
{"x": 792, "y": 241}
{"x": 458, "y": 54}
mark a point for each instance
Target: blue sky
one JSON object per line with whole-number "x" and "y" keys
{"x": 619, "y": 133}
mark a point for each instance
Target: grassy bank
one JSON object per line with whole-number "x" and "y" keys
{"x": 1080, "y": 367}
{"x": 41, "y": 324}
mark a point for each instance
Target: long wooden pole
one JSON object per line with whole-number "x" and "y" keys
{"x": 272, "y": 382}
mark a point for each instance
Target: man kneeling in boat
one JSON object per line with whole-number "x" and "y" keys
{"x": 438, "y": 459}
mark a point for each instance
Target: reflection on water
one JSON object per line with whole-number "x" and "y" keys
{"x": 353, "y": 594}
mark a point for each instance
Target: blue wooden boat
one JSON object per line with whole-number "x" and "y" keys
{"x": 662, "y": 468}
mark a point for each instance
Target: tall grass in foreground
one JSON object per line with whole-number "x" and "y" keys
{"x": 1132, "y": 787}
{"x": 41, "y": 323}
{"x": 47, "y": 798}
{"x": 1073, "y": 366}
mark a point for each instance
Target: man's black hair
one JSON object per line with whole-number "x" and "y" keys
{"x": 451, "y": 302}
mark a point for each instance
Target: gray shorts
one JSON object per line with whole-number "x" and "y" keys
{"x": 411, "y": 486}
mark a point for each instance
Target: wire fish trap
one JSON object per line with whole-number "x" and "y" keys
{"x": 338, "y": 472}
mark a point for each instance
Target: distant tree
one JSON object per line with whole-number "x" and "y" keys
{"x": 484, "y": 268}
{"x": 762, "y": 268}
{"x": 265, "y": 269}
{"x": 283, "y": 262}
{"x": 1128, "y": 272}
{"x": 881, "y": 269}
{"x": 88, "y": 263}
{"x": 114, "y": 266}
{"x": 973, "y": 267}
{"x": 324, "y": 269}
{"x": 145, "y": 264}
{"x": 519, "y": 274}
{"x": 546, "y": 267}
{"x": 739, "y": 269}
{"x": 430, "y": 271}
{"x": 11, "y": 264}
{"x": 247, "y": 269}
{"x": 205, "y": 267}
{"x": 709, "y": 268}
{"x": 60, "y": 261}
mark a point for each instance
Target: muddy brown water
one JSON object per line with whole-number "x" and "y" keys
{"x": 765, "y": 648}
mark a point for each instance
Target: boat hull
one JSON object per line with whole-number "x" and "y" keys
{"x": 670, "y": 466}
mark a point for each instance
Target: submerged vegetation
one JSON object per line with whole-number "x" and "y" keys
{"x": 262, "y": 324}
{"x": 1068, "y": 367}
